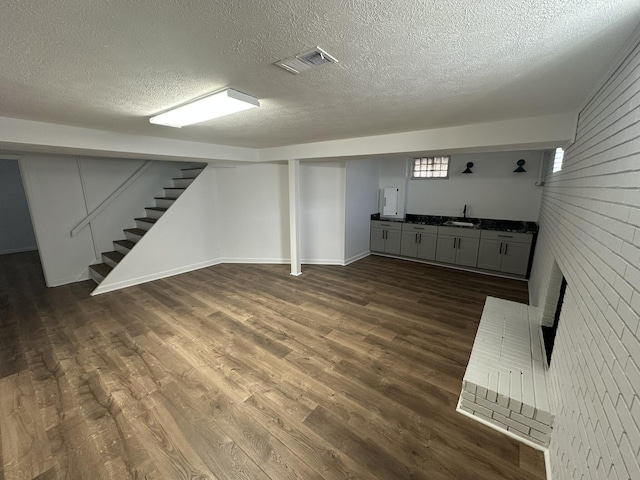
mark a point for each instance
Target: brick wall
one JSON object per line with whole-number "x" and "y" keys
{"x": 504, "y": 383}
{"x": 590, "y": 227}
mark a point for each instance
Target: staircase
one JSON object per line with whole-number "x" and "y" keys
{"x": 99, "y": 271}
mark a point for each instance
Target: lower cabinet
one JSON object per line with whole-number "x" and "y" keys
{"x": 505, "y": 252}
{"x": 496, "y": 251}
{"x": 419, "y": 241}
{"x": 385, "y": 237}
{"x": 458, "y": 246}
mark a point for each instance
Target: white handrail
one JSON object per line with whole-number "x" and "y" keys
{"x": 87, "y": 220}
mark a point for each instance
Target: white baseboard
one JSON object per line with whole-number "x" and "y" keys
{"x": 277, "y": 261}
{"x": 110, "y": 287}
{"x": 357, "y": 257}
{"x": 154, "y": 276}
{"x": 18, "y": 250}
{"x": 322, "y": 261}
{"x": 280, "y": 261}
{"x": 57, "y": 282}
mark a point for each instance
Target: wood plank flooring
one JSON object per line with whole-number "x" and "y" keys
{"x": 245, "y": 372}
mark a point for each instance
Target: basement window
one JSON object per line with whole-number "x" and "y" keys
{"x": 557, "y": 160}
{"x": 430, "y": 167}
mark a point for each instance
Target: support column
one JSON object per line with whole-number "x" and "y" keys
{"x": 294, "y": 215}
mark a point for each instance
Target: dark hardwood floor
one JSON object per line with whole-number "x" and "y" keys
{"x": 245, "y": 372}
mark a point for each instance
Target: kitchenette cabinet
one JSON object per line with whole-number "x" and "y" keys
{"x": 386, "y": 237}
{"x": 458, "y": 246}
{"x": 419, "y": 241}
{"x": 505, "y": 252}
{"x": 500, "y": 246}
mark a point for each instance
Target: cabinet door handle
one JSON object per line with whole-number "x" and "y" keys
{"x": 386, "y": 232}
{"x": 505, "y": 236}
{"x": 420, "y": 238}
{"x": 506, "y": 246}
{"x": 415, "y": 239}
{"x": 500, "y": 252}
{"x": 454, "y": 242}
{"x": 418, "y": 228}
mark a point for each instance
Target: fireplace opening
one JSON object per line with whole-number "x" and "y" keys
{"x": 549, "y": 333}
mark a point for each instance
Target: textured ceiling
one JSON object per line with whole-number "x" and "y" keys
{"x": 404, "y": 65}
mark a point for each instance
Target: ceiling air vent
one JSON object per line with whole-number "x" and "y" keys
{"x": 305, "y": 61}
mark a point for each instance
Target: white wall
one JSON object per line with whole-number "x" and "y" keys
{"x": 16, "y": 231}
{"x": 590, "y": 226}
{"x": 362, "y": 178}
{"x": 185, "y": 238}
{"x": 322, "y": 212}
{"x": 493, "y": 190}
{"x": 61, "y": 190}
{"x": 253, "y": 210}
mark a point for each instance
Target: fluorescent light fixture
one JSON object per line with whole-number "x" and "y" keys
{"x": 212, "y": 106}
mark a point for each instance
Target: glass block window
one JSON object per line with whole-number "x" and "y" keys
{"x": 430, "y": 167}
{"x": 557, "y": 160}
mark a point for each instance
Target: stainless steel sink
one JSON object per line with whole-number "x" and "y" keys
{"x": 452, "y": 223}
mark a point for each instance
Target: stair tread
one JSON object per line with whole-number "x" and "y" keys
{"x": 125, "y": 243}
{"x": 136, "y": 231}
{"x": 101, "y": 269}
{"x": 115, "y": 256}
{"x": 146, "y": 219}
{"x": 157, "y": 209}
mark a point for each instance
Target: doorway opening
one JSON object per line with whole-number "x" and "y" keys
{"x": 18, "y": 247}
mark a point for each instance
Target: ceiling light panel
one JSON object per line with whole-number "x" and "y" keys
{"x": 212, "y": 106}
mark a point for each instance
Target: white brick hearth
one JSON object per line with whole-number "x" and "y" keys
{"x": 504, "y": 383}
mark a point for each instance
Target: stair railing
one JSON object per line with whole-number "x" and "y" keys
{"x": 89, "y": 218}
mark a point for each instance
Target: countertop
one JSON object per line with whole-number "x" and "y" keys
{"x": 482, "y": 223}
